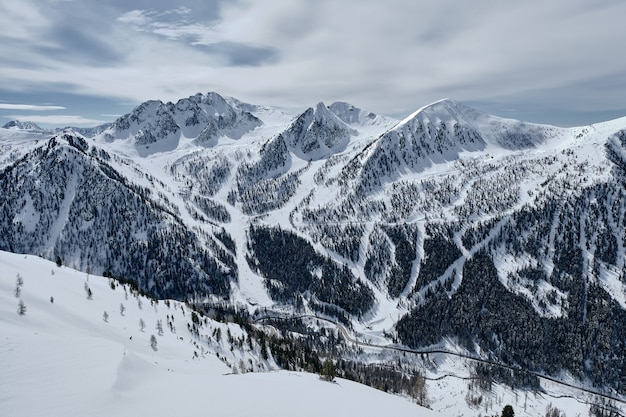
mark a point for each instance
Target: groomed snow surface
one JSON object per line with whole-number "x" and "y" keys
{"x": 62, "y": 359}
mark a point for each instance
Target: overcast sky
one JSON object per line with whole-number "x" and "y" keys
{"x": 83, "y": 62}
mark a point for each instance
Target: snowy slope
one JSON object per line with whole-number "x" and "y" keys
{"x": 62, "y": 358}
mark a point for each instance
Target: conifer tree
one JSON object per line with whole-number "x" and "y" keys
{"x": 21, "y": 308}
{"x": 328, "y": 370}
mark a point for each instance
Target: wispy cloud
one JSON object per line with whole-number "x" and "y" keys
{"x": 208, "y": 36}
{"x": 56, "y": 120}
{"x": 31, "y": 107}
{"x": 172, "y": 24}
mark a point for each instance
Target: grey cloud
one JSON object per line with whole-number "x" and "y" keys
{"x": 579, "y": 103}
{"x": 75, "y": 43}
{"x": 242, "y": 55}
{"x": 182, "y": 25}
{"x": 444, "y": 23}
{"x": 70, "y": 31}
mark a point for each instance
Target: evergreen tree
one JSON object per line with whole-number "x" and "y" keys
{"x": 328, "y": 370}
{"x": 21, "y": 308}
{"x": 507, "y": 411}
{"x": 19, "y": 283}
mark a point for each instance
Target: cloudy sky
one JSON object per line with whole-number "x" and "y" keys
{"x": 83, "y": 62}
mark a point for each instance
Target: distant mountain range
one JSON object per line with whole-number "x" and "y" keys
{"x": 506, "y": 237}
{"x": 19, "y": 125}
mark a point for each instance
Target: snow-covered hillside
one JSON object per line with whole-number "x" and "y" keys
{"x": 76, "y": 352}
{"x": 506, "y": 237}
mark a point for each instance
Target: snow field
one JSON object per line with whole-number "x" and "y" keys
{"x": 62, "y": 359}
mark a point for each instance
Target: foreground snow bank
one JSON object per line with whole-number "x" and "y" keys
{"x": 61, "y": 358}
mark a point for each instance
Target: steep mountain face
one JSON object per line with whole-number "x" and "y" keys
{"x": 503, "y": 236}
{"x": 316, "y": 134}
{"x": 214, "y": 116}
{"x": 431, "y": 136}
{"x": 155, "y": 126}
{"x": 64, "y": 199}
{"x": 268, "y": 183}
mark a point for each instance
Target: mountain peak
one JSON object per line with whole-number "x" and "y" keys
{"x": 441, "y": 111}
{"x": 355, "y": 116}
{"x": 509, "y": 134}
{"x": 320, "y": 108}
{"x": 156, "y": 126}
{"x": 317, "y": 133}
{"x": 323, "y": 114}
{"x": 209, "y": 99}
{"x": 22, "y": 125}
{"x": 434, "y": 134}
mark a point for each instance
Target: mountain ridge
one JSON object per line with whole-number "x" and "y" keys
{"x": 385, "y": 223}
{"x": 22, "y": 125}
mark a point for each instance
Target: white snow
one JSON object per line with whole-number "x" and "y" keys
{"x": 62, "y": 359}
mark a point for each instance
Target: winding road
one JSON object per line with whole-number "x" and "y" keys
{"x": 349, "y": 338}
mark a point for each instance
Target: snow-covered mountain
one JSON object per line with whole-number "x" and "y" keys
{"x": 316, "y": 134}
{"x": 22, "y": 125}
{"x": 66, "y": 199}
{"x": 155, "y": 126}
{"x": 354, "y": 116}
{"x": 503, "y": 236}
